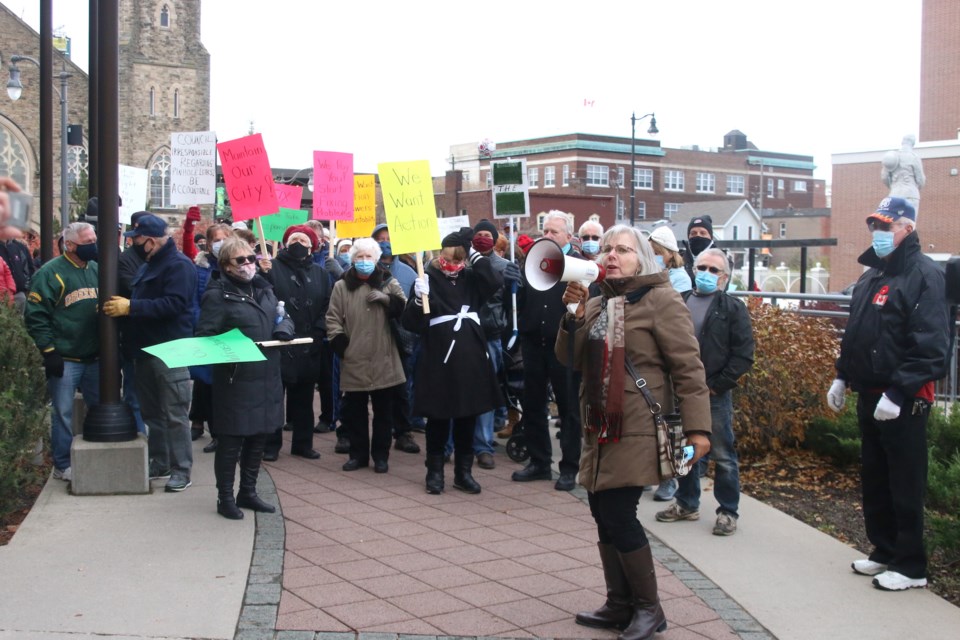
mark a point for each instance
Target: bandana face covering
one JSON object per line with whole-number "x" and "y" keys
{"x": 449, "y": 269}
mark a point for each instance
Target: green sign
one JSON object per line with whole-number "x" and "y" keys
{"x": 231, "y": 346}
{"x": 510, "y": 192}
{"x": 276, "y": 224}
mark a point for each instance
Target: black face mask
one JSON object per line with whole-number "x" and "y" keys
{"x": 297, "y": 251}
{"x": 87, "y": 252}
{"x": 141, "y": 250}
{"x": 698, "y": 244}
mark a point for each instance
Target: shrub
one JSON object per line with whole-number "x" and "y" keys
{"x": 943, "y": 483}
{"x": 787, "y": 387}
{"x": 943, "y": 432}
{"x": 837, "y": 437}
{"x": 23, "y": 406}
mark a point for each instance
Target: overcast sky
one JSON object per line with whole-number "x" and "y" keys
{"x": 394, "y": 81}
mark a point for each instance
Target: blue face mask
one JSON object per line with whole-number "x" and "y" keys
{"x": 591, "y": 246}
{"x": 659, "y": 260}
{"x": 386, "y": 249}
{"x": 364, "y": 267}
{"x": 565, "y": 248}
{"x": 883, "y": 243}
{"x": 706, "y": 282}
{"x": 344, "y": 260}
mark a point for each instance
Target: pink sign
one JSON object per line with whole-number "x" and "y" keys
{"x": 246, "y": 172}
{"x": 332, "y": 185}
{"x": 288, "y": 195}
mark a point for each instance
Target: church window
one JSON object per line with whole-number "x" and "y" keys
{"x": 160, "y": 181}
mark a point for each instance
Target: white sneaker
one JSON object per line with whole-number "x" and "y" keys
{"x": 867, "y": 567}
{"x": 65, "y": 474}
{"x": 893, "y": 581}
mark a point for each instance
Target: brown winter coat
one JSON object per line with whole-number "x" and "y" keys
{"x": 661, "y": 345}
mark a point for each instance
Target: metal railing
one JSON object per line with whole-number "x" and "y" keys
{"x": 947, "y": 390}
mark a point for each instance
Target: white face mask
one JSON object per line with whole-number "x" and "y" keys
{"x": 215, "y": 248}
{"x": 244, "y": 272}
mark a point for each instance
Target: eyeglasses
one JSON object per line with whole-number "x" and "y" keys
{"x": 597, "y": 238}
{"x": 715, "y": 271}
{"x": 242, "y": 260}
{"x": 877, "y": 225}
{"x": 621, "y": 250}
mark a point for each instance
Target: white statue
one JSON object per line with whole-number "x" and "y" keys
{"x": 903, "y": 172}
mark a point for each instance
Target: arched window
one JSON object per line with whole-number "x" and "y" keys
{"x": 160, "y": 181}
{"x": 594, "y": 218}
{"x": 14, "y": 161}
{"x": 153, "y": 101}
{"x": 165, "y": 17}
{"x": 176, "y": 103}
{"x": 78, "y": 168}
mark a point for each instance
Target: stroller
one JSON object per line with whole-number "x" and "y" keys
{"x": 511, "y": 384}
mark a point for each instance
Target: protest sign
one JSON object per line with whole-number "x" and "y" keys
{"x": 132, "y": 191}
{"x": 447, "y": 226}
{"x": 193, "y": 167}
{"x": 511, "y": 196}
{"x": 246, "y": 172}
{"x": 231, "y": 346}
{"x": 289, "y": 196}
{"x": 276, "y": 224}
{"x": 410, "y": 209}
{"x": 364, "y": 209}
{"x": 332, "y": 185}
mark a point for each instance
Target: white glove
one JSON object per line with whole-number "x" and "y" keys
{"x": 886, "y": 409}
{"x": 836, "y": 397}
{"x": 421, "y": 286}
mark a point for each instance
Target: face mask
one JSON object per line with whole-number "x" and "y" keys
{"x": 141, "y": 250}
{"x": 215, "y": 249}
{"x": 706, "y": 282}
{"x": 87, "y": 252}
{"x": 565, "y": 248}
{"x": 449, "y": 268}
{"x": 592, "y": 247}
{"x": 364, "y": 267}
{"x": 297, "y": 251}
{"x": 698, "y": 244}
{"x": 385, "y": 249}
{"x": 244, "y": 273}
{"x": 344, "y": 260}
{"x": 883, "y": 243}
{"x": 483, "y": 244}
{"x": 660, "y": 263}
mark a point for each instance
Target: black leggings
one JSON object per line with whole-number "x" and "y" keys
{"x": 615, "y": 512}
{"x": 438, "y": 432}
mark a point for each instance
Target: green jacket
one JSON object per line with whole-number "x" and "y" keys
{"x": 62, "y": 309}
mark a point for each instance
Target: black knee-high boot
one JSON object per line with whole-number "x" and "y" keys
{"x": 434, "y": 464}
{"x": 462, "y": 473}
{"x": 225, "y": 469}
{"x": 252, "y": 454}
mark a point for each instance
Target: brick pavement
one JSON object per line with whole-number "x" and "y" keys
{"x": 374, "y": 554}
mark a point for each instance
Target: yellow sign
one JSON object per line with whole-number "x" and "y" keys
{"x": 364, "y": 209}
{"x": 408, "y": 201}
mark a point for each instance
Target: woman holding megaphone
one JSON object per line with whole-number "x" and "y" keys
{"x": 640, "y": 319}
{"x": 455, "y": 379}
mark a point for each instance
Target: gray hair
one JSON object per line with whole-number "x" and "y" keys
{"x": 232, "y": 246}
{"x": 587, "y": 224}
{"x": 556, "y": 214}
{"x": 73, "y": 230}
{"x": 366, "y": 244}
{"x": 713, "y": 251}
{"x": 648, "y": 263}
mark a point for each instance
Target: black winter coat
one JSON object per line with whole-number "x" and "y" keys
{"x": 247, "y": 396}
{"x": 454, "y": 376}
{"x": 539, "y": 312}
{"x": 726, "y": 342}
{"x": 161, "y": 303}
{"x": 898, "y": 334}
{"x": 304, "y": 287}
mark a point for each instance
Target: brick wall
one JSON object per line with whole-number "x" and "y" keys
{"x": 940, "y": 70}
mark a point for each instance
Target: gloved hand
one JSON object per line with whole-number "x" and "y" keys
{"x": 283, "y": 335}
{"x": 378, "y": 296}
{"x": 886, "y": 409}
{"x": 511, "y": 274}
{"x": 421, "y": 286}
{"x": 193, "y": 216}
{"x": 837, "y": 397}
{"x": 339, "y": 344}
{"x": 52, "y": 364}
{"x": 116, "y": 307}
{"x": 466, "y": 238}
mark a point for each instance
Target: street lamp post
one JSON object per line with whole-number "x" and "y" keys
{"x": 14, "y": 91}
{"x": 633, "y": 159}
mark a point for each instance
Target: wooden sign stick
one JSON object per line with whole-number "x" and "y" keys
{"x": 424, "y": 299}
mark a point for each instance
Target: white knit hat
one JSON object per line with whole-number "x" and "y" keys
{"x": 664, "y": 237}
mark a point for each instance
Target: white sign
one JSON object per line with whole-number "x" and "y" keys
{"x": 450, "y": 225}
{"x": 133, "y": 191}
{"x": 193, "y": 167}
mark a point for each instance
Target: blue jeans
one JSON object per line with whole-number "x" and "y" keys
{"x": 76, "y": 375}
{"x": 723, "y": 451}
{"x": 130, "y": 392}
{"x": 483, "y": 431}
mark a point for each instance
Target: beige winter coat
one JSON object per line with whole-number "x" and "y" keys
{"x": 661, "y": 345}
{"x": 371, "y": 360}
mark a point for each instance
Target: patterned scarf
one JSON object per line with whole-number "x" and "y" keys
{"x": 605, "y": 372}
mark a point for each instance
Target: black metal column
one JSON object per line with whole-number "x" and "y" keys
{"x": 93, "y": 130}
{"x": 46, "y": 130}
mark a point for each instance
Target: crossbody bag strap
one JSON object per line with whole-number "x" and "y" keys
{"x": 641, "y": 383}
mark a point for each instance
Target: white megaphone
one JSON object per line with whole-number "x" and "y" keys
{"x": 546, "y": 265}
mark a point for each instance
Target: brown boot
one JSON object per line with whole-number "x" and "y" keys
{"x": 513, "y": 417}
{"x": 648, "y": 617}
{"x": 617, "y": 611}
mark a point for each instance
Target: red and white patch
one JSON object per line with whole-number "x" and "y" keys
{"x": 880, "y": 297}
